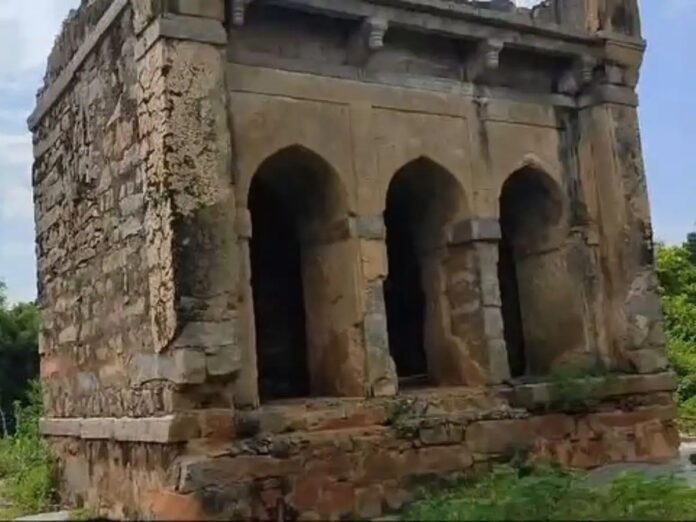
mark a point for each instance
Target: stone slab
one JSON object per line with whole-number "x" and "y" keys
{"x": 541, "y": 394}
{"x": 169, "y": 429}
{"x": 57, "y": 516}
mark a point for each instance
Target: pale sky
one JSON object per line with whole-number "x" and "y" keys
{"x": 668, "y": 118}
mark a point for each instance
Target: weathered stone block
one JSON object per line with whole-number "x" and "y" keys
{"x": 370, "y": 227}
{"x": 207, "y": 335}
{"x": 441, "y": 434}
{"x": 500, "y": 437}
{"x": 97, "y": 429}
{"x": 204, "y": 8}
{"x": 648, "y": 361}
{"x": 190, "y": 367}
{"x": 60, "y": 427}
{"x": 217, "y": 424}
{"x": 475, "y": 230}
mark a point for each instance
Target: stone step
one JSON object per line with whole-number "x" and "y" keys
{"x": 321, "y": 414}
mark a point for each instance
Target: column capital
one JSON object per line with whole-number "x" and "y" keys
{"x": 472, "y": 230}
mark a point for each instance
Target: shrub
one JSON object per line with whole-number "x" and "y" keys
{"x": 548, "y": 493}
{"x": 26, "y": 467}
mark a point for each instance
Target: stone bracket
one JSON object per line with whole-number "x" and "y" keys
{"x": 470, "y": 230}
{"x": 238, "y": 12}
{"x": 368, "y": 39}
{"x": 485, "y": 59}
{"x": 579, "y": 76}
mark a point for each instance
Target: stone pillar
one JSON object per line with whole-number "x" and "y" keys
{"x": 331, "y": 283}
{"x": 473, "y": 295}
{"x": 381, "y": 370}
{"x": 612, "y": 168}
{"x": 246, "y": 393}
{"x": 190, "y": 210}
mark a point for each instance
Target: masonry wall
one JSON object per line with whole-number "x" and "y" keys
{"x": 89, "y": 196}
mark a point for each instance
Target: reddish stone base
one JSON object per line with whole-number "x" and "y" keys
{"x": 332, "y": 459}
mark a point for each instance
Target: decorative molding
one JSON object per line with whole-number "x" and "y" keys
{"x": 51, "y": 95}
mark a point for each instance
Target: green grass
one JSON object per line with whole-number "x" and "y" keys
{"x": 547, "y": 493}
{"x": 27, "y": 474}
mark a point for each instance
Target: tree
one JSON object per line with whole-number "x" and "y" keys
{"x": 691, "y": 245}
{"x": 19, "y": 354}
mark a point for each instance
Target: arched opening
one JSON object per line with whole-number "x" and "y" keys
{"x": 422, "y": 199}
{"x": 531, "y": 208}
{"x": 293, "y": 197}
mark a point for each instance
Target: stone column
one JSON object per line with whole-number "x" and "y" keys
{"x": 381, "y": 370}
{"x": 611, "y": 162}
{"x": 190, "y": 210}
{"x": 473, "y": 295}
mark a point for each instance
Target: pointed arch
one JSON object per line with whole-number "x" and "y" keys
{"x": 423, "y": 200}
{"x": 298, "y": 256}
{"x": 539, "y": 316}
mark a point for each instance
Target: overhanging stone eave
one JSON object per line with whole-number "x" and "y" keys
{"x": 460, "y": 21}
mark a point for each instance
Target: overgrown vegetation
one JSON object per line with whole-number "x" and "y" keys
{"x": 676, "y": 268}
{"x": 549, "y": 493}
{"x": 19, "y": 356}
{"x": 403, "y": 417}
{"x": 578, "y": 389}
{"x": 26, "y": 468}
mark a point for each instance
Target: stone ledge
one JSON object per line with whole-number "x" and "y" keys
{"x": 56, "y": 89}
{"x": 533, "y": 396}
{"x": 169, "y": 429}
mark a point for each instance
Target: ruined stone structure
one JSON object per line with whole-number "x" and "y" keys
{"x": 296, "y": 255}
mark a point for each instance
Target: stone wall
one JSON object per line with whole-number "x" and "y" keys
{"x": 89, "y": 196}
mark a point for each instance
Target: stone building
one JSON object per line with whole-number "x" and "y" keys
{"x": 295, "y": 256}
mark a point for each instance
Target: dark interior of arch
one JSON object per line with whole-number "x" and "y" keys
{"x": 529, "y": 209}
{"x": 416, "y": 212}
{"x": 287, "y": 196}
